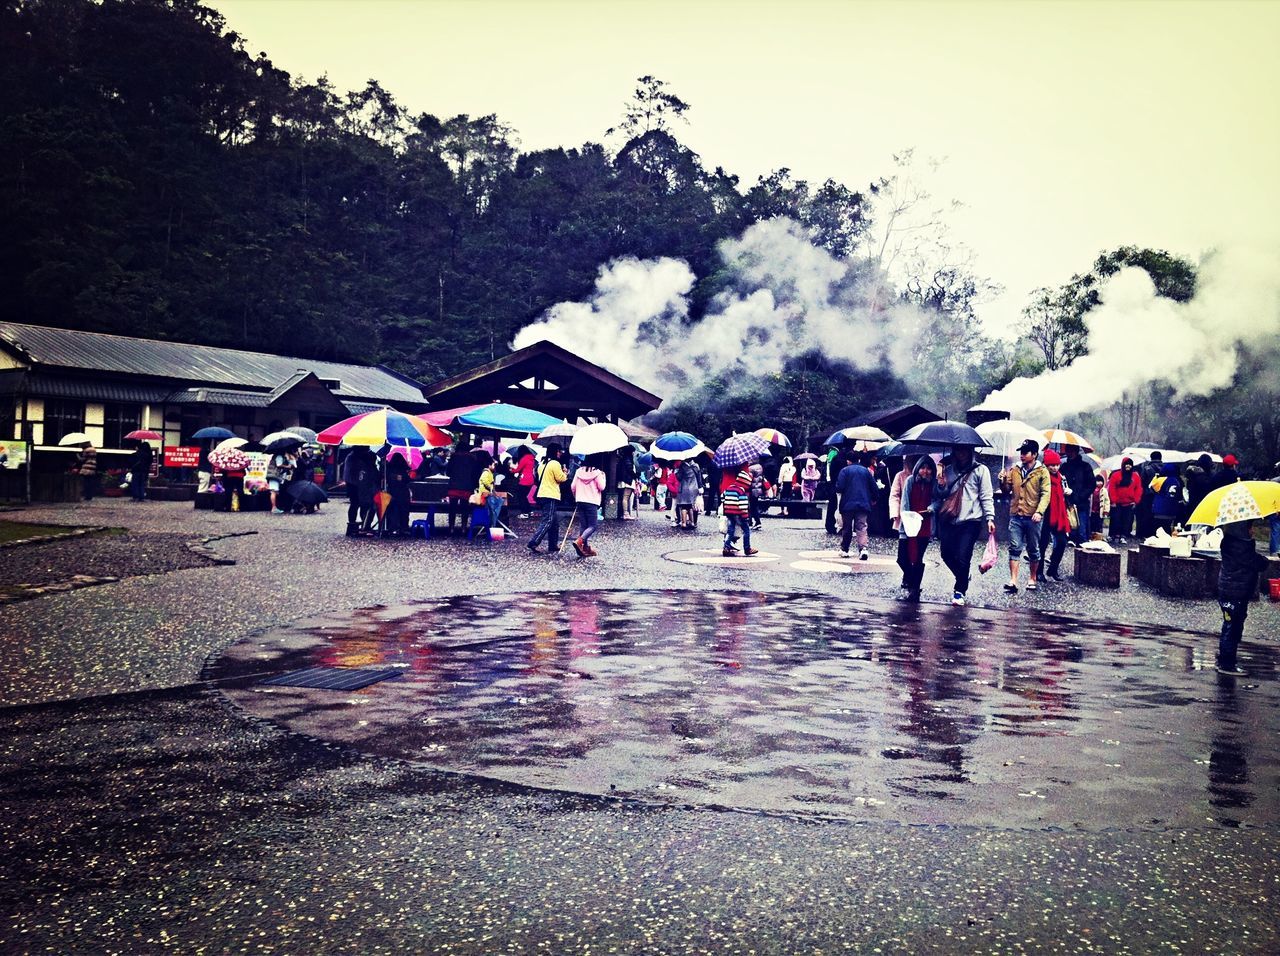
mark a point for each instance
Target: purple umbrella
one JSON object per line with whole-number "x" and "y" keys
{"x": 740, "y": 449}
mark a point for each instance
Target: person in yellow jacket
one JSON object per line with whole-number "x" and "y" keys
{"x": 1028, "y": 483}
{"x": 551, "y": 475}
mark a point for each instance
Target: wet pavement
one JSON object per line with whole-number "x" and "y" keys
{"x": 551, "y": 769}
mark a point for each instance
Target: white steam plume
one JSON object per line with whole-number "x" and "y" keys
{"x": 1136, "y": 338}
{"x": 786, "y": 296}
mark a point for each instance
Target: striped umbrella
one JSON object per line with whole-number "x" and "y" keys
{"x": 384, "y": 427}
{"x": 740, "y": 449}
{"x": 1060, "y": 436}
{"x": 774, "y": 437}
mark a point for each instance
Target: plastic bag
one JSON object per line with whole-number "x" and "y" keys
{"x": 990, "y": 555}
{"x": 724, "y": 524}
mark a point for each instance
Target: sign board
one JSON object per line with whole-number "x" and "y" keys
{"x": 181, "y": 456}
{"x": 255, "y": 476}
{"x": 13, "y": 453}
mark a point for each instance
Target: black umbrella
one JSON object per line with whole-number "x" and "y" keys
{"x": 284, "y": 444}
{"x": 941, "y": 434}
{"x": 307, "y": 493}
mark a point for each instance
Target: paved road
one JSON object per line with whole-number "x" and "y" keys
{"x": 152, "y": 804}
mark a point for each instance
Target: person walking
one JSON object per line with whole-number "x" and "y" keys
{"x": 1077, "y": 476}
{"x": 551, "y": 475}
{"x": 1028, "y": 486}
{"x": 787, "y": 479}
{"x": 1056, "y": 527}
{"x": 691, "y": 485}
{"x": 961, "y": 525}
{"x": 87, "y": 469}
{"x": 756, "y": 493}
{"x": 913, "y": 540}
{"x": 627, "y": 483}
{"x": 1148, "y": 471}
{"x": 1237, "y": 584}
{"x": 1124, "y": 488}
{"x": 587, "y": 489}
{"x": 735, "y": 487}
{"x": 809, "y": 478}
{"x": 140, "y": 469}
{"x": 856, "y": 487}
{"x": 836, "y": 462}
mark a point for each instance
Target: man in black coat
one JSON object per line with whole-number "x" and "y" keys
{"x": 1237, "y": 582}
{"x": 1147, "y": 471}
{"x": 1077, "y": 472}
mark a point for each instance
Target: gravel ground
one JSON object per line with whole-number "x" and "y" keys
{"x": 143, "y": 813}
{"x": 124, "y": 554}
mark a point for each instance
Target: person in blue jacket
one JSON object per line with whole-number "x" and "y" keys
{"x": 1166, "y": 497}
{"x": 857, "y": 489}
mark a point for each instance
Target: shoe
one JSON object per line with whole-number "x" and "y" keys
{"x": 532, "y": 547}
{"x": 957, "y": 599}
{"x": 1011, "y": 588}
{"x": 751, "y": 552}
{"x": 844, "y": 554}
{"x": 1231, "y": 671}
{"x": 1031, "y": 585}
{"x": 552, "y": 550}
{"x": 730, "y": 552}
{"x": 914, "y": 597}
{"x": 862, "y": 555}
{"x": 590, "y": 551}
{"x": 1054, "y": 576}
{"x": 577, "y": 546}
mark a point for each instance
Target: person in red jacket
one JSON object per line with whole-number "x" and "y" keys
{"x": 1125, "y": 491}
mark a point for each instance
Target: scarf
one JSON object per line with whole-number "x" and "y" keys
{"x": 1058, "y": 519}
{"x": 919, "y": 496}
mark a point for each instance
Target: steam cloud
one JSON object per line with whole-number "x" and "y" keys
{"x": 1137, "y": 338}
{"x": 786, "y": 296}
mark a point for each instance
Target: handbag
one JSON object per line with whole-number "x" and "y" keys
{"x": 950, "y": 508}
{"x": 1073, "y": 517}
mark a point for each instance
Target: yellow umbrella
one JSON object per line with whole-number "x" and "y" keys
{"x": 1241, "y": 501}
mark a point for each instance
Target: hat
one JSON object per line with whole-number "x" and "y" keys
{"x": 1051, "y": 457}
{"x": 1230, "y": 460}
{"x": 1030, "y": 445}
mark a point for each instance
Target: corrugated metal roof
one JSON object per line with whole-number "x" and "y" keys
{"x": 91, "y": 390}
{"x": 67, "y": 348}
{"x": 220, "y": 396}
{"x": 359, "y": 408}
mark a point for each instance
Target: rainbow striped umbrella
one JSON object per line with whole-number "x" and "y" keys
{"x": 384, "y": 427}
{"x": 774, "y": 437}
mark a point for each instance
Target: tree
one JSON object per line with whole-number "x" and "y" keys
{"x": 652, "y": 108}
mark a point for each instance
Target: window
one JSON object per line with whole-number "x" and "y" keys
{"x": 118, "y": 419}
{"x": 62, "y": 417}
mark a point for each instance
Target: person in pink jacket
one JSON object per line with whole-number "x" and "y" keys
{"x": 587, "y": 487}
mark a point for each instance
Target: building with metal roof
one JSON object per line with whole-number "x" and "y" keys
{"x": 57, "y": 381}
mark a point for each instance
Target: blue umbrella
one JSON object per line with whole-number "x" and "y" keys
{"x": 501, "y": 417}
{"x": 740, "y": 449}
{"x": 677, "y": 446}
{"x": 214, "y": 431}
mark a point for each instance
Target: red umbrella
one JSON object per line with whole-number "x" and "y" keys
{"x": 143, "y": 434}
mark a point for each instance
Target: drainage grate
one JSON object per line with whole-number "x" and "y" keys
{"x": 334, "y": 678}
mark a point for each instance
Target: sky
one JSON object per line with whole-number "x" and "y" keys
{"x": 1064, "y": 129}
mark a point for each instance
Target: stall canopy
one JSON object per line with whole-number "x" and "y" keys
{"x": 548, "y": 379}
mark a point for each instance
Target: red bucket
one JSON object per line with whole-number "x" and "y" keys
{"x": 1274, "y": 584}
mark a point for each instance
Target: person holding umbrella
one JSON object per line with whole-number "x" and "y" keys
{"x": 140, "y": 469}
{"x": 87, "y": 468}
{"x": 1028, "y": 486}
{"x": 964, "y": 505}
{"x": 588, "y": 489}
{"x": 550, "y": 477}
{"x": 916, "y": 528}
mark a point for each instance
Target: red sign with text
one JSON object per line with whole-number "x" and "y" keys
{"x": 181, "y": 456}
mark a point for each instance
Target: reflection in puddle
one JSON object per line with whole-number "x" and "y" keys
{"x": 793, "y": 702}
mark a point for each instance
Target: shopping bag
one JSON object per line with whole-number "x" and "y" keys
{"x": 990, "y": 555}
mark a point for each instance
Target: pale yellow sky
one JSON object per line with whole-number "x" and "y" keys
{"x": 1067, "y": 128}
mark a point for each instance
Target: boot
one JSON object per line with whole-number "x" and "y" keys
{"x": 591, "y": 552}
{"x": 353, "y": 530}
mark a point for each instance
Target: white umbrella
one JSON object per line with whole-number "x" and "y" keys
{"x": 1004, "y": 435}
{"x": 597, "y": 439}
{"x": 229, "y": 443}
{"x": 75, "y": 438}
{"x": 1115, "y": 461}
